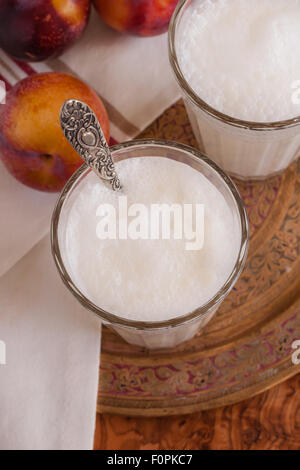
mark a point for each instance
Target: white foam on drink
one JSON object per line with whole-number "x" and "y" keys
{"x": 149, "y": 280}
{"x": 242, "y": 57}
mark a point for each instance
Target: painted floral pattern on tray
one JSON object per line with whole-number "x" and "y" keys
{"x": 230, "y": 369}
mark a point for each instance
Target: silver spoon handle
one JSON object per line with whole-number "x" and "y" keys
{"x": 82, "y": 129}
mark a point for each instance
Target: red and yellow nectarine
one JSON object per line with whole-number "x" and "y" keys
{"x": 32, "y": 144}
{"x": 39, "y": 29}
{"x": 140, "y": 17}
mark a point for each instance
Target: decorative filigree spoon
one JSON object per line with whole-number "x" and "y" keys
{"x": 82, "y": 129}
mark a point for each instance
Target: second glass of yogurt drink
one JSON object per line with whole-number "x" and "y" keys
{"x": 154, "y": 292}
{"x": 238, "y": 66}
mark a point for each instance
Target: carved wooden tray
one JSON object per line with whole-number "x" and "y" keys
{"x": 247, "y": 347}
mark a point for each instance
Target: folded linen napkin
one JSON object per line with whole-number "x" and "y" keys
{"x": 49, "y": 382}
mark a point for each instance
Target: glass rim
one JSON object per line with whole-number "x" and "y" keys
{"x": 192, "y": 95}
{"x": 116, "y": 320}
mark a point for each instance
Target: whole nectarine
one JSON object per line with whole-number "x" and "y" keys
{"x": 32, "y": 144}
{"x": 39, "y": 29}
{"x": 139, "y": 17}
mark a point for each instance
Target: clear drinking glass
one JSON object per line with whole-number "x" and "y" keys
{"x": 160, "y": 334}
{"x": 247, "y": 150}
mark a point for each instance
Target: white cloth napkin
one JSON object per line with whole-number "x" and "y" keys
{"x": 25, "y": 219}
{"x": 132, "y": 75}
{"x": 48, "y": 386}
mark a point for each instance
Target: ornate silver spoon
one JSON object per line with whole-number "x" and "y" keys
{"x": 82, "y": 129}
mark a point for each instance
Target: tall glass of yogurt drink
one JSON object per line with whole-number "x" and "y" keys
{"x": 238, "y": 65}
{"x": 155, "y": 292}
